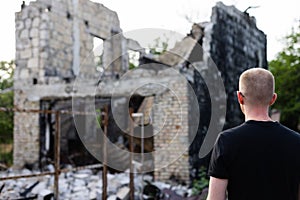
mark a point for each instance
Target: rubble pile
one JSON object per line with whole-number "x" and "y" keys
{"x": 86, "y": 184}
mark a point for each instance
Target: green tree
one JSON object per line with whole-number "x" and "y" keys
{"x": 6, "y": 100}
{"x": 6, "y": 117}
{"x": 286, "y": 69}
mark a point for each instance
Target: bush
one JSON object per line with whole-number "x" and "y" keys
{"x": 201, "y": 182}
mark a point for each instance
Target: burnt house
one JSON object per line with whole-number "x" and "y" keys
{"x": 184, "y": 93}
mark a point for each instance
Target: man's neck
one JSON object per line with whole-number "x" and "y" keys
{"x": 257, "y": 114}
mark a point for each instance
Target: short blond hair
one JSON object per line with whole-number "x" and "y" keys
{"x": 257, "y": 85}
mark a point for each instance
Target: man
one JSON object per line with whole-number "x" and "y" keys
{"x": 260, "y": 159}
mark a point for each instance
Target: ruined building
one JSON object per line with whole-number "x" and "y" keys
{"x": 56, "y": 70}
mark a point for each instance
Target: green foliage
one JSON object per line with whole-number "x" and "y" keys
{"x": 6, "y": 157}
{"x": 99, "y": 117}
{"x": 133, "y": 59}
{"x": 99, "y": 60}
{"x": 6, "y": 100}
{"x": 6, "y": 117}
{"x": 6, "y": 74}
{"x": 132, "y": 66}
{"x": 286, "y": 69}
{"x": 160, "y": 46}
{"x": 201, "y": 182}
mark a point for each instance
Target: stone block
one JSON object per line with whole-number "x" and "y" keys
{"x": 25, "y": 43}
{"x": 44, "y": 25}
{"x": 19, "y": 46}
{"x": 34, "y": 33}
{"x": 33, "y": 63}
{"x": 43, "y": 43}
{"x": 19, "y": 25}
{"x": 44, "y": 34}
{"x": 35, "y": 42}
{"x": 35, "y": 52}
{"x": 123, "y": 193}
{"x": 45, "y": 194}
{"x": 25, "y": 54}
{"x": 24, "y": 14}
{"x": 45, "y": 16}
{"x": 44, "y": 54}
{"x": 39, "y": 188}
{"x": 112, "y": 197}
{"x": 24, "y": 73}
{"x": 28, "y": 23}
{"x": 35, "y": 22}
{"x": 34, "y": 12}
{"x": 24, "y": 34}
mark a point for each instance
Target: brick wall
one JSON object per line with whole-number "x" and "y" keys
{"x": 54, "y": 45}
{"x": 171, "y": 139}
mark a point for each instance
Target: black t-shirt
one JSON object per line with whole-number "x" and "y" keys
{"x": 261, "y": 161}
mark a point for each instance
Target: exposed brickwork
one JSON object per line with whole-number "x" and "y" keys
{"x": 171, "y": 129}
{"x": 54, "y": 44}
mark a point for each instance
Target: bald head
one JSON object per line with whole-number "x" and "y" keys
{"x": 257, "y": 85}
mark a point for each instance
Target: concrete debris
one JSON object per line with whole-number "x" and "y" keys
{"x": 123, "y": 193}
{"x": 45, "y": 194}
{"x": 84, "y": 184}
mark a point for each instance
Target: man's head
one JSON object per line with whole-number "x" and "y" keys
{"x": 256, "y": 87}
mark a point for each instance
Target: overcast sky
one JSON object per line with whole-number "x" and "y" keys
{"x": 274, "y": 18}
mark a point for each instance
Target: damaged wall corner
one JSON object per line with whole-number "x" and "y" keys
{"x": 54, "y": 47}
{"x": 233, "y": 43}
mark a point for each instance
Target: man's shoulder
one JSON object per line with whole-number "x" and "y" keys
{"x": 234, "y": 130}
{"x": 252, "y": 128}
{"x": 232, "y": 135}
{"x": 289, "y": 130}
{"x": 290, "y": 133}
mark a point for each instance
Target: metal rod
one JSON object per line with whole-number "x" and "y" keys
{"x": 131, "y": 175}
{"x": 142, "y": 152}
{"x": 26, "y": 176}
{"x": 57, "y": 155}
{"x": 104, "y": 173}
{"x": 141, "y": 115}
{"x": 50, "y": 173}
{"x": 71, "y": 112}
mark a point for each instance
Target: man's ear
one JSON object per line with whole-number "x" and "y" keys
{"x": 274, "y": 97}
{"x": 240, "y": 97}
